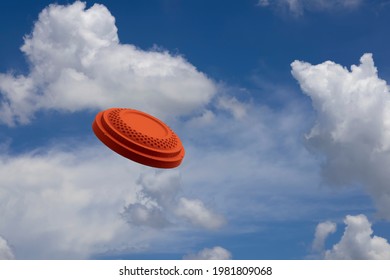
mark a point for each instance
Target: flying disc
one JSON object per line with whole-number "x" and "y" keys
{"x": 139, "y": 136}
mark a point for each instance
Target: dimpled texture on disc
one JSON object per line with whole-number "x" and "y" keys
{"x": 139, "y": 136}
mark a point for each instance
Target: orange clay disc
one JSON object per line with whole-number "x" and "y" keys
{"x": 139, "y": 137}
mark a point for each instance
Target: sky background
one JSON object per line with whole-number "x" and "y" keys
{"x": 282, "y": 106}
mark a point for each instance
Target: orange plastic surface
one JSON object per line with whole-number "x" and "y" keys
{"x": 139, "y": 136}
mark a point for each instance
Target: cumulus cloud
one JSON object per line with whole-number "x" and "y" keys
{"x": 357, "y": 242}
{"x": 77, "y": 62}
{"x": 5, "y": 251}
{"x": 322, "y": 232}
{"x": 161, "y": 186}
{"x": 352, "y": 129}
{"x": 297, "y": 7}
{"x": 65, "y": 206}
{"x": 160, "y": 204}
{"x": 215, "y": 253}
{"x": 156, "y": 197}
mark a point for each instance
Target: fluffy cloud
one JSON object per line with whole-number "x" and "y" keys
{"x": 156, "y": 198}
{"x": 65, "y": 206}
{"x": 160, "y": 204}
{"x": 357, "y": 242}
{"x": 77, "y": 62}
{"x": 321, "y": 233}
{"x": 5, "y": 250}
{"x": 297, "y": 7}
{"x": 58, "y": 207}
{"x": 215, "y": 253}
{"x": 352, "y": 129}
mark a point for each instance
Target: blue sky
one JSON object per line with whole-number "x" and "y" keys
{"x": 281, "y": 106}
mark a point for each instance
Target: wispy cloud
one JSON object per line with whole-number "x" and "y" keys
{"x": 5, "y": 251}
{"x": 197, "y": 213}
{"x": 215, "y": 253}
{"x": 298, "y": 7}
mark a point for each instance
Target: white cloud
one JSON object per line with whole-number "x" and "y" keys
{"x": 161, "y": 187}
{"x": 76, "y": 204}
{"x": 160, "y": 204}
{"x": 5, "y": 251}
{"x": 357, "y": 242}
{"x": 215, "y": 253}
{"x": 298, "y": 7}
{"x": 322, "y": 232}
{"x": 77, "y": 63}
{"x": 206, "y": 118}
{"x": 61, "y": 204}
{"x": 196, "y": 212}
{"x": 352, "y": 129}
{"x": 232, "y": 105}
{"x": 140, "y": 214}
